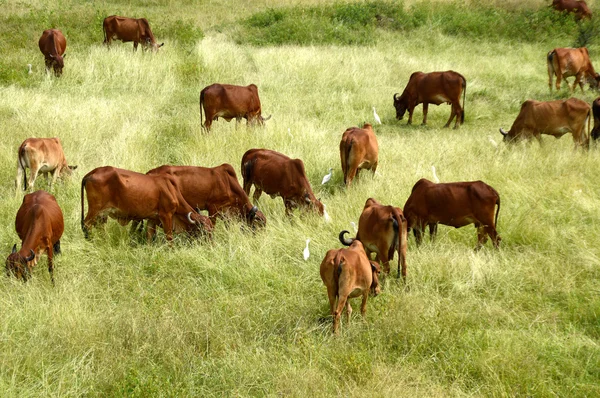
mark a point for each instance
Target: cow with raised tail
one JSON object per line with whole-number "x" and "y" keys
{"x": 230, "y": 102}
{"x": 566, "y": 62}
{"x": 129, "y": 29}
{"x": 358, "y": 150}
{"x": 53, "y": 44}
{"x": 348, "y": 273}
{"x": 433, "y": 88}
{"x": 40, "y": 225}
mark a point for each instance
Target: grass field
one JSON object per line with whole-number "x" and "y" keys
{"x": 245, "y": 315}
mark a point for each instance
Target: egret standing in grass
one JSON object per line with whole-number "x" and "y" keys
{"x": 306, "y": 251}
{"x": 435, "y": 177}
{"x": 376, "y": 116}
{"x": 325, "y": 214}
{"x": 29, "y": 71}
{"x": 327, "y": 177}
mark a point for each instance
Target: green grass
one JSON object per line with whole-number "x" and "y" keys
{"x": 245, "y": 315}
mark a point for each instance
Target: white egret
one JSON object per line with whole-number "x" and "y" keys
{"x": 306, "y": 251}
{"x": 494, "y": 143}
{"x": 354, "y": 226}
{"x": 29, "y": 71}
{"x": 325, "y": 214}
{"x": 376, "y": 116}
{"x": 435, "y": 177}
{"x": 327, "y": 177}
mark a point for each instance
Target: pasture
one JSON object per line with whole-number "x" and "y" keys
{"x": 245, "y": 315}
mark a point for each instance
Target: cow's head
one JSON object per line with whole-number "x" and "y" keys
{"x": 154, "y": 46}
{"x": 68, "y": 171}
{"x": 18, "y": 265}
{"x": 594, "y": 81}
{"x": 200, "y": 225}
{"x": 58, "y": 63}
{"x": 505, "y": 136}
{"x": 310, "y": 200}
{"x": 400, "y": 106}
{"x": 376, "y": 270}
{"x": 256, "y": 218}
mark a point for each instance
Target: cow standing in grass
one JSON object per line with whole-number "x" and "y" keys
{"x": 567, "y": 62}
{"x": 53, "y": 44}
{"x": 129, "y": 29}
{"x": 358, "y": 150}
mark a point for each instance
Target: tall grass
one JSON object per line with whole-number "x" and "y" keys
{"x": 245, "y": 315}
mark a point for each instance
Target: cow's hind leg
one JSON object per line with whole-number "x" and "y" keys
{"x": 452, "y": 114}
{"x": 482, "y": 236}
{"x": 425, "y": 110}
{"x": 433, "y": 227}
{"x": 342, "y": 299}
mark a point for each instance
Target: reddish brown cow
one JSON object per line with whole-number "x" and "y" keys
{"x": 566, "y": 62}
{"x": 129, "y": 29}
{"x": 579, "y": 8}
{"x": 433, "y": 88}
{"x": 348, "y": 273}
{"x": 52, "y": 45}
{"x": 229, "y": 102}
{"x": 455, "y": 204}
{"x": 596, "y": 112}
{"x": 383, "y": 231}
{"x": 358, "y": 150}
{"x": 278, "y": 175}
{"x": 554, "y": 118}
{"x": 215, "y": 189}
{"x": 41, "y": 155}
{"x": 126, "y": 195}
{"x": 40, "y": 225}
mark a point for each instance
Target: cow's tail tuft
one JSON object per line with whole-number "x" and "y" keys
{"x": 21, "y": 155}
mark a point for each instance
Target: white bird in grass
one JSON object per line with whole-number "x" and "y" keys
{"x": 327, "y": 177}
{"x": 435, "y": 177}
{"x": 494, "y": 143}
{"x": 289, "y": 133}
{"x": 306, "y": 251}
{"x": 325, "y": 214}
{"x": 354, "y": 226}
{"x": 29, "y": 71}
{"x": 376, "y": 116}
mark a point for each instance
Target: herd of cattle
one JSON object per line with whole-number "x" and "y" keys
{"x": 172, "y": 197}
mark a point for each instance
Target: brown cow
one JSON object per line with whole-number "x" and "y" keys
{"x": 52, "y": 45}
{"x": 126, "y": 195}
{"x": 348, "y": 273}
{"x": 382, "y": 230}
{"x": 215, "y": 189}
{"x": 455, "y": 204}
{"x": 40, "y": 225}
{"x": 41, "y": 155}
{"x": 129, "y": 29}
{"x": 229, "y": 102}
{"x": 358, "y": 150}
{"x": 278, "y": 175}
{"x": 567, "y": 62}
{"x": 433, "y": 88}
{"x": 554, "y": 118}
{"x": 579, "y": 8}
{"x": 596, "y": 112}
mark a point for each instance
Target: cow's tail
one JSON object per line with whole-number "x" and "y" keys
{"x": 201, "y": 105}
{"x": 338, "y": 262}
{"x": 395, "y": 241}
{"x": 551, "y": 71}
{"x": 589, "y": 133}
{"x": 497, "y": 210}
{"x": 462, "y": 115}
{"x": 348, "y": 164}
{"x": 22, "y": 166}
{"x": 83, "y": 228}
{"x": 247, "y": 170}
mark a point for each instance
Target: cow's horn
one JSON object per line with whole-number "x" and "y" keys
{"x": 252, "y": 212}
{"x": 161, "y": 44}
{"x": 504, "y": 133}
{"x": 14, "y": 249}
{"x": 343, "y": 240}
{"x": 264, "y": 119}
{"x": 31, "y": 257}
{"x": 396, "y": 96}
{"x": 189, "y": 217}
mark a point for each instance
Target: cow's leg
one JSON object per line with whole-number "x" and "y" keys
{"x": 411, "y": 109}
{"x": 50, "y": 254}
{"x": 289, "y": 206}
{"x": 433, "y": 231}
{"x": 135, "y": 45}
{"x": 418, "y": 232}
{"x": 363, "y": 304}
{"x": 558, "y": 81}
{"x": 382, "y": 258}
{"x": 425, "y": 109}
{"x": 48, "y": 62}
{"x": 19, "y": 177}
{"x": 351, "y": 174}
{"x": 55, "y": 175}
{"x": 348, "y": 311}
{"x": 342, "y": 299}
{"x": 578, "y": 80}
{"x": 167, "y": 223}
{"x": 332, "y": 296}
{"x": 257, "y": 193}
{"x": 150, "y": 230}
{"x": 452, "y": 114}
{"x": 374, "y": 169}
{"x": 34, "y": 173}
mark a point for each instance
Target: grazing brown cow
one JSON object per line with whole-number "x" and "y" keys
{"x": 596, "y": 112}
{"x": 433, "y": 88}
{"x": 358, "y": 150}
{"x": 554, "y": 118}
{"x": 126, "y": 195}
{"x": 579, "y": 8}
{"x": 566, "y": 62}
{"x": 455, "y": 204}
{"x": 348, "y": 273}
{"x": 129, "y": 29}
{"x": 382, "y": 230}
{"x": 230, "y": 102}
{"x": 40, "y": 225}
{"x": 215, "y": 189}
{"x": 41, "y": 155}
{"x": 278, "y": 175}
{"x": 52, "y": 45}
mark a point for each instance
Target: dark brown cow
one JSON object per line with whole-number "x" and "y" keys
{"x": 278, "y": 175}
{"x": 129, "y": 29}
{"x": 358, "y": 150}
{"x": 433, "y": 88}
{"x": 383, "y": 231}
{"x": 348, "y": 273}
{"x": 579, "y": 8}
{"x": 52, "y": 45}
{"x": 455, "y": 204}
{"x": 40, "y": 225}
{"x": 126, "y": 195}
{"x": 554, "y": 118}
{"x": 566, "y": 62}
{"x": 596, "y": 112}
{"x": 41, "y": 155}
{"x": 230, "y": 102}
{"x": 215, "y": 189}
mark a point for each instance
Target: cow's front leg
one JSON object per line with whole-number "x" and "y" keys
{"x": 425, "y": 110}
{"x": 411, "y": 109}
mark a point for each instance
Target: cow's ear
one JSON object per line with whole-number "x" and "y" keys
{"x": 14, "y": 249}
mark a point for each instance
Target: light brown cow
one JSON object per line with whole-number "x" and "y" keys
{"x": 126, "y": 195}
{"x": 230, "y": 102}
{"x": 382, "y": 230}
{"x": 554, "y": 118}
{"x": 130, "y": 29}
{"x": 358, "y": 150}
{"x": 566, "y": 62}
{"x": 278, "y": 175}
{"x": 41, "y": 155}
{"x": 215, "y": 189}
{"x": 455, "y": 204}
{"x": 52, "y": 45}
{"x": 348, "y": 273}
{"x": 40, "y": 225}
{"x": 433, "y": 88}
{"x": 579, "y": 8}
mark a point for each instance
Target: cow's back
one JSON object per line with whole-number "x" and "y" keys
{"x": 40, "y": 210}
